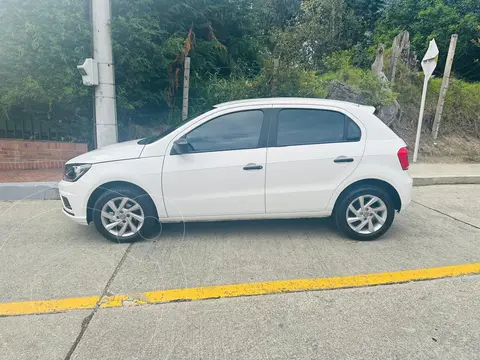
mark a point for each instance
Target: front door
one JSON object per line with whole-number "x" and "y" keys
{"x": 314, "y": 151}
{"x": 223, "y": 174}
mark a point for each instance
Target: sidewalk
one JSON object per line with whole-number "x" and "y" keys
{"x": 39, "y": 184}
{"x": 444, "y": 174}
{"x": 42, "y": 184}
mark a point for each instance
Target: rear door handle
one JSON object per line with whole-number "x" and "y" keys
{"x": 343, "y": 159}
{"x": 249, "y": 167}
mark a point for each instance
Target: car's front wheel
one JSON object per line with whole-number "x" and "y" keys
{"x": 123, "y": 214}
{"x": 365, "y": 213}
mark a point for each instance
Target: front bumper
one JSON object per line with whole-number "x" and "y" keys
{"x": 76, "y": 196}
{"x": 82, "y": 220}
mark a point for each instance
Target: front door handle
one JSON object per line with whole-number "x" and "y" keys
{"x": 249, "y": 167}
{"x": 343, "y": 159}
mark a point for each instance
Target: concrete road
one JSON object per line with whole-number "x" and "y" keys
{"x": 44, "y": 256}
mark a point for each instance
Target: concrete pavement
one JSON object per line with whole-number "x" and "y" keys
{"x": 427, "y": 320}
{"x": 435, "y": 320}
{"x": 45, "y": 256}
{"x": 456, "y": 201}
{"x": 48, "y": 337}
{"x": 55, "y": 258}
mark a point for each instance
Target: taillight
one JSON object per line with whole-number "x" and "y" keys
{"x": 403, "y": 158}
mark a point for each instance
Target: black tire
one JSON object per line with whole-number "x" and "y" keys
{"x": 140, "y": 198}
{"x": 340, "y": 213}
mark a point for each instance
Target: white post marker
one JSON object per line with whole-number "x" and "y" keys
{"x": 429, "y": 63}
{"x": 186, "y": 88}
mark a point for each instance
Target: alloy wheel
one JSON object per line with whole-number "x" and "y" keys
{"x": 122, "y": 217}
{"x": 366, "y": 214}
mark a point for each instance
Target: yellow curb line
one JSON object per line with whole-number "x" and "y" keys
{"x": 236, "y": 290}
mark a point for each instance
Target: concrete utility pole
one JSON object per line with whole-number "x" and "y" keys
{"x": 186, "y": 87}
{"x": 443, "y": 89}
{"x": 105, "y": 103}
{"x": 276, "y": 65}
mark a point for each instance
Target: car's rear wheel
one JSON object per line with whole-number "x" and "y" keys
{"x": 124, "y": 214}
{"x": 365, "y": 213}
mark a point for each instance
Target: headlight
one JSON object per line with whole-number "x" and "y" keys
{"x": 73, "y": 172}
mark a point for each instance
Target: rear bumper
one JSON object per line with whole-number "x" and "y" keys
{"x": 404, "y": 189}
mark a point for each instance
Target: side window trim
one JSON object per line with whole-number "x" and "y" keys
{"x": 273, "y": 134}
{"x": 265, "y": 131}
{"x": 263, "y": 139}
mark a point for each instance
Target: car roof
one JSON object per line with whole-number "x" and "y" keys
{"x": 296, "y": 101}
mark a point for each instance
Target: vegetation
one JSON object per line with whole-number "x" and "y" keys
{"x": 232, "y": 44}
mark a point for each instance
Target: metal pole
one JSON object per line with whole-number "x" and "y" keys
{"x": 443, "y": 89}
{"x": 186, "y": 87}
{"x": 105, "y": 103}
{"x": 420, "y": 119}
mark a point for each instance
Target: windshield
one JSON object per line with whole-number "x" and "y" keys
{"x": 153, "y": 138}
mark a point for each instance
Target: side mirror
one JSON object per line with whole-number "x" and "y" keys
{"x": 181, "y": 146}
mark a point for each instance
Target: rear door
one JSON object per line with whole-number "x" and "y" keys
{"x": 311, "y": 151}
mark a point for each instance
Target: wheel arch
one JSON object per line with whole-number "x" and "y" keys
{"x": 110, "y": 186}
{"x": 391, "y": 191}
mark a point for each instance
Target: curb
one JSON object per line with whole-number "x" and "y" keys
{"x": 446, "y": 180}
{"x": 29, "y": 191}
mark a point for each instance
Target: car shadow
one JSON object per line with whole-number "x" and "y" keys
{"x": 242, "y": 228}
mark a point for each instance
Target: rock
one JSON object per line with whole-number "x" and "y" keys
{"x": 377, "y": 66}
{"x": 339, "y": 91}
{"x": 401, "y": 45}
{"x": 389, "y": 113}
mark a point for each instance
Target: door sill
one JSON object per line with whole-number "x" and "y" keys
{"x": 294, "y": 215}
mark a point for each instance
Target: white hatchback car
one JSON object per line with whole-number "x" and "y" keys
{"x": 273, "y": 158}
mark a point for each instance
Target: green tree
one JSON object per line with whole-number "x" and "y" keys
{"x": 369, "y": 11}
{"x": 321, "y": 28}
{"x": 231, "y": 44}
{"x": 150, "y": 38}
{"x": 43, "y": 40}
{"x": 439, "y": 19}
{"x": 41, "y": 43}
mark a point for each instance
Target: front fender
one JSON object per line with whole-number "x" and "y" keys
{"x": 145, "y": 173}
